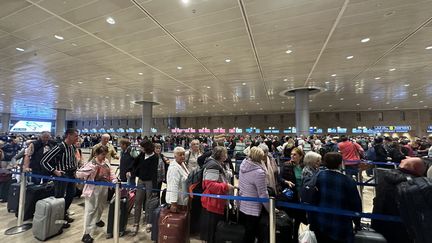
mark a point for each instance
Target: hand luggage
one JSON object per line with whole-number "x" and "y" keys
{"x": 173, "y": 227}
{"x": 35, "y": 193}
{"x": 13, "y": 196}
{"x": 4, "y": 189}
{"x": 369, "y": 236}
{"x": 155, "y": 222}
{"x": 151, "y": 205}
{"x": 415, "y": 199}
{"x": 49, "y": 218}
{"x": 124, "y": 215}
{"x": 229, "y": 230}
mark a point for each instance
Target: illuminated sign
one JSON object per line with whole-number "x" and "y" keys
{"x": 357, "y": 130}
{"x": 331, "y": 130}
{"x": 153, "y": 130}
{"x": 31, "y": 126}
{"x": 120, "y": 130}
{"x": 341, "y": 130}
{"x": 102, "y": 130}
{"x": 392, "y": 128}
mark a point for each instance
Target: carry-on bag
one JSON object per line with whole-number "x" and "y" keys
{"x": 124, "y": 215}
{"x": 49, "y": 218}
{"x": 369, "y": 236}
{"x": 415, "y": 199}
{"x": 35, "y": 193}
{"x": 173, "y": 227}
{"x": 13, "y": 196}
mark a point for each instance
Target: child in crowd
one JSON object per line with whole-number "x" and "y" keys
{"x": 97, "y": 169}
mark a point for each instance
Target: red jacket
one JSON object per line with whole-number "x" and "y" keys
{"x": 214, "y": 182}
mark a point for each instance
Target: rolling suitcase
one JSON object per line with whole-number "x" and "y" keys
{"x": 155, "y": 222}
{"x": 124, "y": 215}
{"x": 4, "y": 189}
{"x": 173, "y": 227}
{"x": 34, "y": 194}
{"x": 49, "y": 218}
{"x": 13, "y": 196}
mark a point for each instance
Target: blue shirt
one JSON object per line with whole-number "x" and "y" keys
{"x": 336, "y": 190}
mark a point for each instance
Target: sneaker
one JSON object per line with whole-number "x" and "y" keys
{"x": 68, "y": 219}
{"x": 87, "y": 238}
{"x": 100, "y": 224}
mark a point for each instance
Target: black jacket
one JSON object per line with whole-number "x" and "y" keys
{"x": 146, "y": 169}
{"x": 126, "y": 163}
{"x": 380, "y": 152}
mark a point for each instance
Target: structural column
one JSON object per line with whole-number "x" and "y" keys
{"x": 147, "y": 117}
{"x": 5, "y": 122}
{"x": 302, "y": 111}
{"x": 60, "y": 122}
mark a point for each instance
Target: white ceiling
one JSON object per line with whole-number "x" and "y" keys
{"x": 154, "y": 37}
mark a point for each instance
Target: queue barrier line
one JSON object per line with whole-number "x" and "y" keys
{"x": 340, "y": 212}
{"x": 301, "y": 206}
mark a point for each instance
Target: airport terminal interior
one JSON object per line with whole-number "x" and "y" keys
{"x": 222, "y": 120}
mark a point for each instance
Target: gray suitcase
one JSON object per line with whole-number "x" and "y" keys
{"x": 49, "y": 218}
{"x": 369, "y": 236}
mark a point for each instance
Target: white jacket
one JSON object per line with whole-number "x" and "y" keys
{"x": 176, "y": 184}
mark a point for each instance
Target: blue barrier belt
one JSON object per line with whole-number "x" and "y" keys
{"x": 301, "y": 206}
{"x": 340, "y": 212}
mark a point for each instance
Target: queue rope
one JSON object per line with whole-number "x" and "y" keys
{"x": 300, "y": 206}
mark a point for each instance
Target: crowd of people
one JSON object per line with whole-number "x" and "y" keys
{"x": 270, "y": 166}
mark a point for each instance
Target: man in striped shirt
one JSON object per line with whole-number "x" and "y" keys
{"x": 60, "y": 161}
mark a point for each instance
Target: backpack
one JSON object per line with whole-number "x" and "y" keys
{"x": 194, "y": 181}
{"x": 323, "y": 150}
{"x": 309, "y": 192}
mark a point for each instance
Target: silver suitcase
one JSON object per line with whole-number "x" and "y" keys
{"x": 49, "y": 218}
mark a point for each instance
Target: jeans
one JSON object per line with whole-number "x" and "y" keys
{"x": 65, "y": 190}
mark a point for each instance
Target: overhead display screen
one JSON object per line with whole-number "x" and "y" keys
{"x": 31, "y": 126}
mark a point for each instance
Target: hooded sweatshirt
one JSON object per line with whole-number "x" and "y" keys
{"x": 252, "y": 183}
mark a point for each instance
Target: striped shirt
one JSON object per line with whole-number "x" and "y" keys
{"x": 60, "y": 157}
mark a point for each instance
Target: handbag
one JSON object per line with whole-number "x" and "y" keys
{"x": 308, "y": 236}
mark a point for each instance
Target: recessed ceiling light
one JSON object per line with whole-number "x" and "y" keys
{"x": 396, "y": 107}
{"x": 58, "y": 37}
{"x": 376, "y": 97}
{"x": 257, "y": 103}
{"x": 224, "y": 98}
{"x": 415, "y": 95}
{"x": 140, "y": 73}
{"x": 288, "y": 51}
{"x": 365, "y": 40}
{"x": 310, "y": 100}
{"x": 261, "y": 109}
{"x": 327, "y": 82}
{"x": 110, "y": 20}
{"x": 227, "y": 60}
{"x": 178, "y": 90}
{"x": 387, "y": 103}
{"x": 285, "y": 79}
{"x": 80, "y": 82}
{"x": 283, "y": 102}
{"x": 3, "y": 94}
{"x": 428, "y": 48}
{"x": 243, "y": 84}
{"x": 56, "y": 101}
{"x": 208, "y": 87}
{"x": 330, "y": 105}
{"x": 357, "y": 104}
{"x": 425, "y": 106}
{"x": 333, "y": 75}
{"x": 108, "y": 78}
{"x": 151, "y": 92}
{"x": 19, "y": 49}
{"x": 349, "y": 57}
{"x": 179, "y": 68}
{"x": 369, "y": 108}
{"x": 392, "y": 69}
{"x": 406, "y": 85}
{"x": 185, "y": 1}
{"x": 341, "y": 99}
{"x": 421, "y": 101}
{"x": 378, "y": 78}
{"x": 74, "y": 44}
{"x": 127, "y": 94}
{"x": 56, "y": 86}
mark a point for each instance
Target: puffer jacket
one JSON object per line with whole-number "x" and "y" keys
{"x": 214, "y": 182}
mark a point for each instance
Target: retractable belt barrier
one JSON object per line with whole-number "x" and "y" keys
{"x": 300, "y": 206}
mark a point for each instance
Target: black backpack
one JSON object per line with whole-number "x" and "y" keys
{"x": 309, "y": 192}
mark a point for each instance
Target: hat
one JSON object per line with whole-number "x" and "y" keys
{"x": 414, "y": 166}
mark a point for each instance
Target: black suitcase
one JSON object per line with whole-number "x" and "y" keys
{"x": 35, "y": 193}
{"x": 230, "y": 230}
{"x": 124, "y": 215}
{"x": 415, "y": 199}
{"x": 13, "y": 196}
{"x": 4, "y": 189}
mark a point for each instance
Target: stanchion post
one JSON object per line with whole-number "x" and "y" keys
{"x": 272, "y": 220}
{"x": 117, "y": 213}
{"x": 20, "y": 226}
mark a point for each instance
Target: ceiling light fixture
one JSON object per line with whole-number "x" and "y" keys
{"x": 243, "y": 84}
{"x": 80, "y": 82}
{"x": 369, "y": 108}
{"x": 396, "y": 107}
{"x": 140, "y": 73}
{"x": 330, "y": 105}
{"x": 349, "y": 57}
{"x": 208, "y": 87}
{"x": 421, "y": 101}
{"x": 288, "y": 51}
{"x": 387, "y": 103}
{"x": 415, "y": 95}
{"x": 74, "y": 44}
{"x": 108, "y": 78}
{"x": 185, "y": 1}
{"x": 406, "y": 85}
{"x": 178, "y": 90}
{"x": 227, "y": 60}
{"x": 392, "y": 69}
{"x": 428, "y": 48}
{"x": 19, "y": 49}
{"x": 327, "y": 82}
{"x": 179, "y": 68}
{"x": 285, "y": 79}
{"x": 365, "y": 40}
{"x": 341, "y": 98}
{"x": 110, "y": 20}
{"x": 377, "y": 78}
{"x": 58, "y": 37}
{"x": 357, "y": 104}
{"x": 333, "y": 75}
